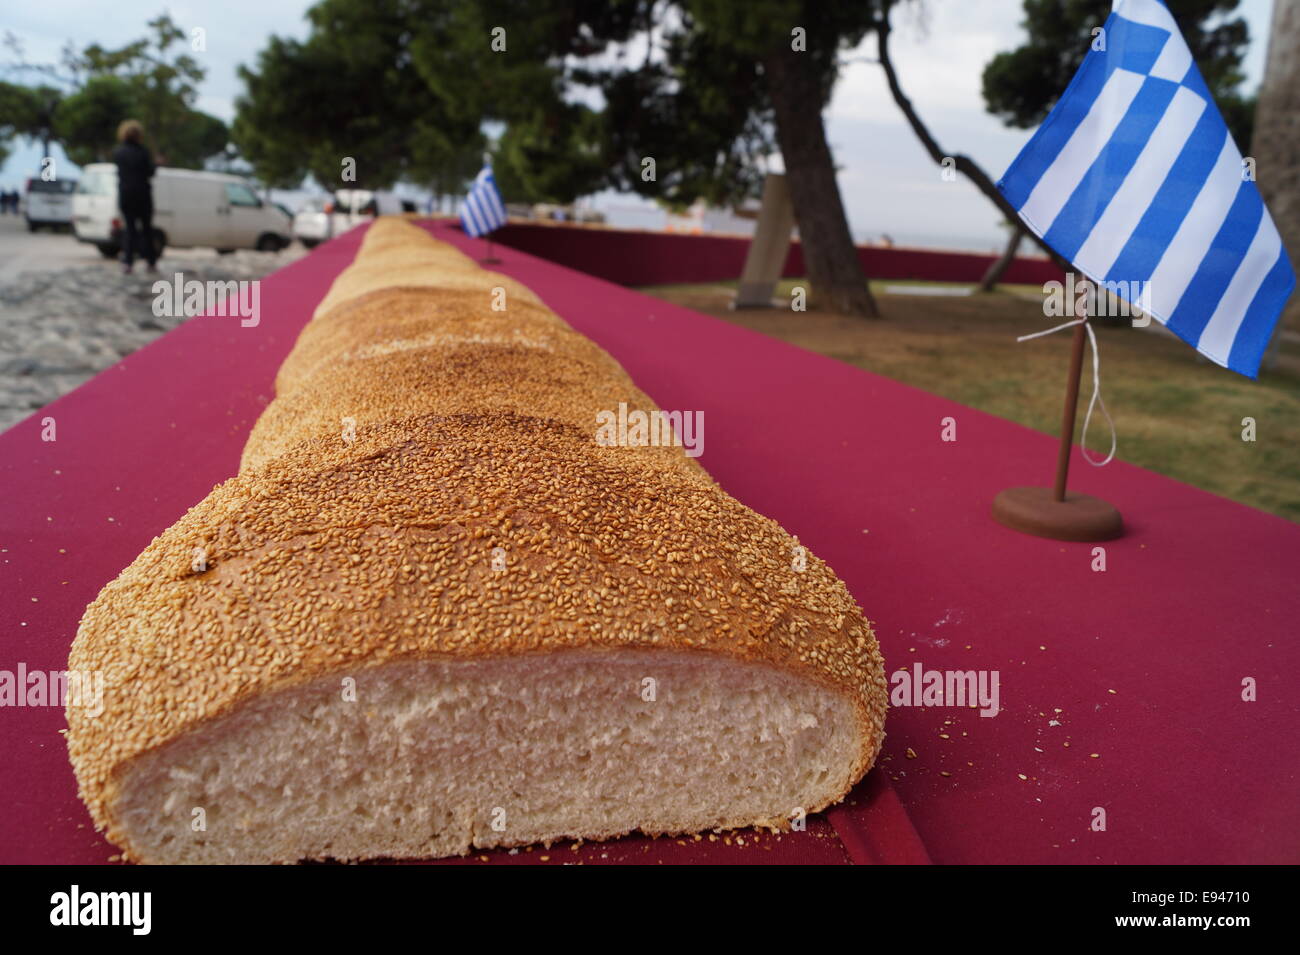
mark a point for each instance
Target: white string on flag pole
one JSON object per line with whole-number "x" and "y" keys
{"x": 1096, "y": 392}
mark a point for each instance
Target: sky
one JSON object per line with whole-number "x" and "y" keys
{"x": 889, "y": 184}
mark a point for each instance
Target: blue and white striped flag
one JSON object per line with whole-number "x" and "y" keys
{"x": 1134, "y": 178}
{"x": 483, "y": 210}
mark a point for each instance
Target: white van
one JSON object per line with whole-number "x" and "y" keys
{"x": 48, "y": 203}
{"x": 191, "y": 208}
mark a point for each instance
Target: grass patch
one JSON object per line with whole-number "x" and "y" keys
{"x": 1176, "y": 413}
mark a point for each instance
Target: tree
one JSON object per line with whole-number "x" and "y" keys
{"x": 735, "y": 78}
{"x": 1276, "y": 142}
{"x": 549, "y": 156}
{"x": 1016, "y": 233}
{"x": 19, "y": 111}
{"x": 87, "y": 121}
{"x": 446, "y": 161}
{"x": 798, "y": 82}
{"x": 349, "y": 92}
{"x": 15, "y": 103}
{"x": 719, "y": 85}
{"x": 699, "y": 113}
{"x": 33, "y": 107}
{"x": 33, "y": 117}
{"x": 511, "y": 64}
{"x": 1021, "y": 86}
{"x": 159, "y": 87}
{"x": 150, "y": 79}
{"x": 961, "y": 163}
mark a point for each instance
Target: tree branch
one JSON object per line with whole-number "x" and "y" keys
{"x": 964, "y": 164}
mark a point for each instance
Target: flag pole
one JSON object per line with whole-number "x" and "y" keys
{"x": 1071, "y": 408}
{"x": 487, "y": 167}
{"x": 1055, "y": 512}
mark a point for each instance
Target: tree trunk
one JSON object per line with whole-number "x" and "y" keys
{"x": 996, "y": 270}
{"x": 829, "y": 255}
{"x": 1276, "y": 147}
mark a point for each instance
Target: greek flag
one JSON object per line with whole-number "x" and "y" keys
{"x": 1134, "y": 178}
{"x": 483, "y": 210}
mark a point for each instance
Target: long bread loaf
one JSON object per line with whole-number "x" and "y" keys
{"x": 433, "y": 613}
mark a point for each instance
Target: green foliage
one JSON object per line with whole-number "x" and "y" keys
{"x": 1021, "y": 86}
{"x": 552, "y": 148}
{"x": 15, "y": 111}
{"x": 1239, "y": 113}
{"x": 406, "y": 86}
{"x": 703, "y": 108}
{"x": 151, "y": 79}
{"x": 351, "y": 90}
{"x": 87, "y": 120}
{"x": 28, "y": 112}
{"x": 20, "y": 111}
{"x": 588, "y": 94}
{"x": 701, "y": 114}
{"x": 549, "y": 156}
{"x": 193, "y": 138}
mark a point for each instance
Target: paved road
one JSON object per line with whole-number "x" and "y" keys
{"x": 66, "y": 312}
{"x": 46, "y": 251}
{"x": 43, "y": 251}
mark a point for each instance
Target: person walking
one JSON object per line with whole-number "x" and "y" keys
{"x": 135, "y": 167}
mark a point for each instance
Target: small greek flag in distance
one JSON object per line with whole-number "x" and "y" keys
{"x": 483, "y": 210}
{"x": 1134, "y": 178}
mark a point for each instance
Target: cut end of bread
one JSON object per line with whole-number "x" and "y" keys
{"x": 418, "y": 759}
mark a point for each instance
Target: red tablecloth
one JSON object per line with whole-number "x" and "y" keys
{"x": 1141, "y": 665}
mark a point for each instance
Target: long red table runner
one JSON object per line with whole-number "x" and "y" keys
{"x": 133, "y": 449}
{"x": 1138, "y": 668}
{"x": 1195, "y": 599}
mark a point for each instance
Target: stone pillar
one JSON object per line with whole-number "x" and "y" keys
{"x": 769, "y": 247}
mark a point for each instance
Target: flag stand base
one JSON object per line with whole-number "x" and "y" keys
{"x": 1055, "y": 512}
{"x": 1035, "y": 510}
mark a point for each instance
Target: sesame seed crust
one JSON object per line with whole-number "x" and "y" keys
{"x": 397, "y": 318}
{"x": 326, "y": 556}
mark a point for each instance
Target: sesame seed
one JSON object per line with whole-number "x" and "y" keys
{"x": 334, "y": 549}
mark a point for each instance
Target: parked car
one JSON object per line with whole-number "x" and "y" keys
{"x": 311, "y": 224}
{"x": 324, "y": 217}
{"x": 192, "y": 208}
{"x": 48, "y": 203}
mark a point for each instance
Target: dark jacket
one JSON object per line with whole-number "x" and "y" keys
{"x": 134, "y": 170}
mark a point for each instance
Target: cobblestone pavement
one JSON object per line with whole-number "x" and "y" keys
{"x": 66, "y": 313}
